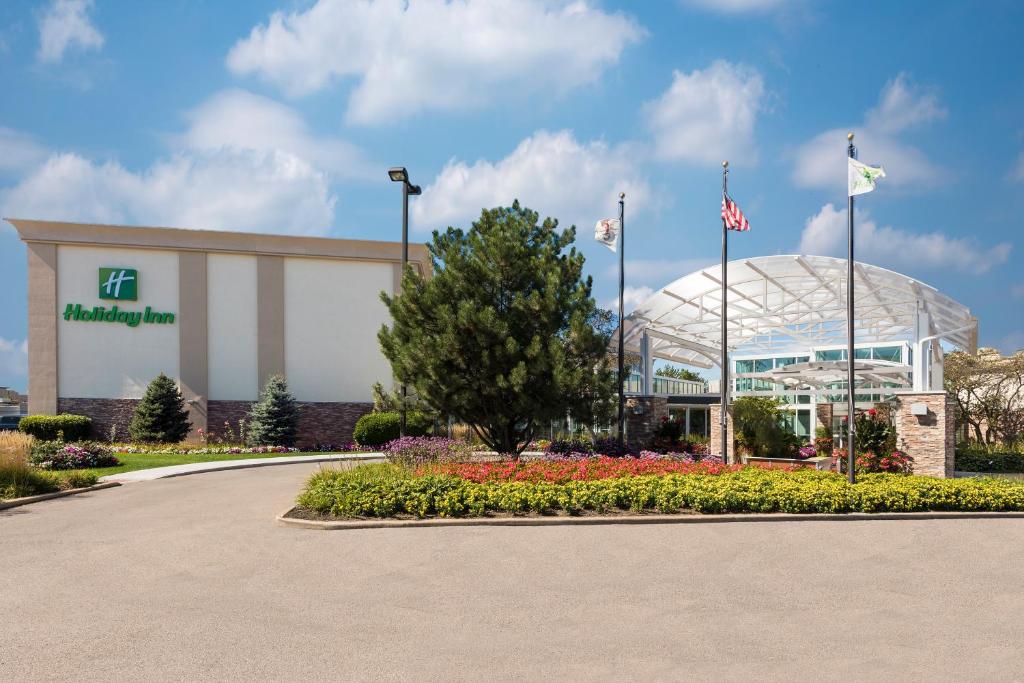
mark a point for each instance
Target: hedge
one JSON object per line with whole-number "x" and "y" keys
{"x": 387, "y": 491}
{"x": 49, "y": 427}
{"x": 980, "y": 461}
{"x": 376, "y": 429}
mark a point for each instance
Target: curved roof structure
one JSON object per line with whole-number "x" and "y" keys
{"x": 781, "y": 303}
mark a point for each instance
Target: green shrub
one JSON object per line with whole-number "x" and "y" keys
{"x": 389, "y": 490}
{"x": 761, "y": 428}
{"x": 983, "y": 461}
{"x": 274, "y": 419}
{"x": 50, "y": 427}
{"x": 160, "y": 417}
{"x": 376, "y": 429}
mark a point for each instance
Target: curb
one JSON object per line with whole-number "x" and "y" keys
{"x": 654, "y": 518}
{"x": 28, "y": 500}
{"x": 222, "y": 465}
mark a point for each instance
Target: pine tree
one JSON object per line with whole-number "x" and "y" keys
{"x": 274, "y": 419}
{"x": 504, "y": 336}
{"x": 160, "y": 417}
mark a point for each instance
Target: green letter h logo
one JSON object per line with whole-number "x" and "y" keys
{"x": 119, "y": 283}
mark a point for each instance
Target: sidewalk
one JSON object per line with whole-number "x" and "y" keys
{"x": 218, "y": 465}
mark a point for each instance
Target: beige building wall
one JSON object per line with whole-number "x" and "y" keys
{"x": 232, "y": 328}
{"x": 109, "y": 359}
{"x": 332, "y": 313}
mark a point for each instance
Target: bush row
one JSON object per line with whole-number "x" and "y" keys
{"x": 386, "y": 491}
{"x": 378, "y": 428}
{"x": 981, "y": 461}
{"x": 50, "y": 427}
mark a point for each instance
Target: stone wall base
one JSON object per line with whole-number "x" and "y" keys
{"x": 319, "y": 423}
{"x": 930, "y": 438}
{"x": 715, "y": 439}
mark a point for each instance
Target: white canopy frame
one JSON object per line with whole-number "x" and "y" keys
{"x": 796, "y": 302}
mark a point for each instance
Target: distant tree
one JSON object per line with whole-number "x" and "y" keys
{"x": 160, "y": 417}
{"x": 761, "y": 428}
{"x": 502, "y": 337}
{"x": 679, "y": 373}
{"x": 274, "y": 419}
{"x": 989, "y": 390}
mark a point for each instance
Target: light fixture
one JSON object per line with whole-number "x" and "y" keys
{"x": 398, "y": 174}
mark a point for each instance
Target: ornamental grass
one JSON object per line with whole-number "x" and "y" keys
{"x": 18, "y": 478}
{"x": 389, "y": 491}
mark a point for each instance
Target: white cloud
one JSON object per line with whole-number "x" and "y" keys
{"x": 737, "y": 6}
{"x": 825, "y": 234}
{"x": 66, "y": 25}
{"x": 19, "y": 151}
{"x": 902, "y": 106}
{"x": 13, "y": 361}
{"x": 552, "y": 173}
{"x": 238, "y": 119}
{"x": 224, "y": 189}
{"x": 631, "y": 298}
{"x": 707, "y": 116}
{"x": 434, "y": 54}
{"x": 1017, "y": 172}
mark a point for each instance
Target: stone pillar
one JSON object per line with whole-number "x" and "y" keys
{"x": 715, "y": 440}
{"x": 824, "y": 414}
{"x": 643, "y": 415}
{"x": 930, "y": 439}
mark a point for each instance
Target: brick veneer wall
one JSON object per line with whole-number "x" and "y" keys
{"x": 319, "y": 423}
{"x": 640, "y": 427}
{"x": 929, "y": 439}
{"x": 715, "y": 443}
{"x": 105, "y": 413}
{"x": 824, "y": 413}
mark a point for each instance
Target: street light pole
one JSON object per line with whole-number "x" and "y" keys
{"x": 400, "y": 175}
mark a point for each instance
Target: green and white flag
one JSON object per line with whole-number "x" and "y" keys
{"x": 862, "y": 177}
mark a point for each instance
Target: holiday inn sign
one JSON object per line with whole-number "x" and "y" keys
{"x": 118, "y": 284}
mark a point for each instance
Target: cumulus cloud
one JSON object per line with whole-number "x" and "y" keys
{"x": 708, "y": 115}
{"x": 223, "y": 189}
{"x": 737, "y": 6}
{"x": 1017, "y": 172}
{"x": 631, "y": 298}
{"x": 13, "y": 361}
{"x": 66, "y": 25}
{"x": 432, "y": 54}
{"x": 550, "y": 172}
{"x": 825, "y": 234}
{"x": 240, "y": 120}
{"x": 902, "y": 106}
{"x": 19, "y": 151}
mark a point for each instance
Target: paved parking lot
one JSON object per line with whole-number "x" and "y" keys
{"x": 190, "y": 578}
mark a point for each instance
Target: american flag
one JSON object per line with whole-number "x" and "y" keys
{"x": 733, "y": 217}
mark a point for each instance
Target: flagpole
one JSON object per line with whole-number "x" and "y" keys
{"x": 622, "y": 283}
{"x": 723, "y": 418}
{"x": 851, "y": 439}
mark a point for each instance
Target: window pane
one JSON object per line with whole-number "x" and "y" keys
{"x": 834, "y": 354}
{"x": 782, "y": 362}
{"x": 888, "y": 353}
{"x": 862, "y": 354}
{"x": 744, "y": 366}
{"x": 762, "y": 365}
{"x": 744, "y": 384}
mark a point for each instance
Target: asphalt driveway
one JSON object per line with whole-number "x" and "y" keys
{"x": 191, "y": 579}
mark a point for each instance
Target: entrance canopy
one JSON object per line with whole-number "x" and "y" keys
{"x": 824, "y": 374}
{"x": 783, "y": 303}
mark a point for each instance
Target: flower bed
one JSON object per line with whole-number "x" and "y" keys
{"x": 55, "y": 455}
{"x": 389, "y": 490}
{"x": 575, "y": 469}
{"x": 182, "y": 449}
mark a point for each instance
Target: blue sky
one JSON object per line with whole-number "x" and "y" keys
{"x": 284, "y": 116}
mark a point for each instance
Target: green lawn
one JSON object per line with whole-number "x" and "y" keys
{"x": 144, "y": 461}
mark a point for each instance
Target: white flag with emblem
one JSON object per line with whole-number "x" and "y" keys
{"x": 862, "y": 177}
{"x": 607, "y": 232}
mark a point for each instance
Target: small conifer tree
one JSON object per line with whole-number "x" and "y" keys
{"x": 160, "y": 417}
{"x": 274, "y": 419}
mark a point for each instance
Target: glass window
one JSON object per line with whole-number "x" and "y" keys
{"x": 862, "y": 354}
{"x": 744, "y": 384}
{"x": 763, "y": 385}
{"x": 803, "y": 398}
{"x": 744, "y": 366}
{"x": 783, "y": 362}
{"x": 888, "y": 353}
{"x": 803, "y": 359}
{"x": 762, "y": 365}
{"x": 833, "y": 354}
{"x": 803, "y": 423}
